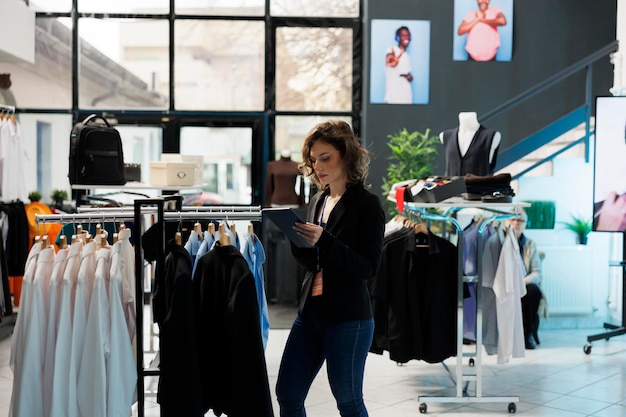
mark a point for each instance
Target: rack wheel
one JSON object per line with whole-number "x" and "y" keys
{"x": 512, "y": 408}
{"x": 471, "y": 362}
{"x": 423, "y": 408}
{"x": 587, "y": 348}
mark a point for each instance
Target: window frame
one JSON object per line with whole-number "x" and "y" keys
{"x": 262, "y": 123}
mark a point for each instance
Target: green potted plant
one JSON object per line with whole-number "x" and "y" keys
{"x": 58, "y": 197}
{"x": 413, "y": 156}
{"x": 34, "y": 196}
{"x": 581, "y": 226}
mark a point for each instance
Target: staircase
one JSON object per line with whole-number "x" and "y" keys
{"x": 540, "y": 162}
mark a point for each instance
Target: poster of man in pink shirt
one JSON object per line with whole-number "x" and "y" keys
{"x": 483, "y": 30}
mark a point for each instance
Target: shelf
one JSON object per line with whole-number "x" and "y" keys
{"x": 133, "y": 185}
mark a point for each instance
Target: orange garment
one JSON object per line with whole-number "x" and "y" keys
{"x": 50, "y": 229}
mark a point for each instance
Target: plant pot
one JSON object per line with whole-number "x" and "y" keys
{"x": 582, "y": 240}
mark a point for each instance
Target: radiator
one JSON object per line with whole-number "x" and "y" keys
{"x": 567, "y": 279}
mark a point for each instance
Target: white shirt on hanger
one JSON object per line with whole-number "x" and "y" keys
{"x": 122, "y": 368}
{"x": 92, "y": 381}
{"x": 18, "y": 341}
{"x": 62, "y": 390}
{"x": 13, "y": 157}
{"x": 84, "y": 288}
{"x": 509, "y": 288}
{"x": 56, "y": 285}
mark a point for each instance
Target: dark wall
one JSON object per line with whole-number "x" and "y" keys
{"x": 548, "y": 36}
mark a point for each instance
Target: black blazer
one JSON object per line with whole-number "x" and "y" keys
{"x": 350, "y": 251}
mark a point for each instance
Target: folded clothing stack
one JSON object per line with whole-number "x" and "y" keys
{"x": 489, "y": 188}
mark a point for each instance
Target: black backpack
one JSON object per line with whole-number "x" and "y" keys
{"x": 96, "y": 155}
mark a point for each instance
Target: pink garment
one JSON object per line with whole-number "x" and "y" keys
{"x": 483, "y": 40}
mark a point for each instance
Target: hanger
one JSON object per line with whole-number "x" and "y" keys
{"x": 178, "y": 238}
{"x": 63, "y": 242}
{"x": 101, "y": 241}
{"x": 251, "y": 229}
{"x": 421, "y": 235}
{"x": 225, "y": 239}
{"x": 45, "y": 242}
{"x": 211, "y": 229}
{"x": 197, "y": 227}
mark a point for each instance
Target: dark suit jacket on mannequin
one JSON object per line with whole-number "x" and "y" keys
{"x": 280, "y": 184}
{"x": 476, "y": 159}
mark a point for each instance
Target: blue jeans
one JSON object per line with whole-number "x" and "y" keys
{"x": 344, "y": 346}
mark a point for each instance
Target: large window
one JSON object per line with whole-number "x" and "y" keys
{"x": 219, "y": 65}
{"x": 227, "y": 153}
{"x": 279, "y": 65}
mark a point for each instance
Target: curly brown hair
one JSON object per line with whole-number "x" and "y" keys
{"x": 340, "y": 135}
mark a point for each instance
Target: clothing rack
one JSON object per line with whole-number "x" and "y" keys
{"x": 501, "y": 211}
{"x": 151, "y": 206}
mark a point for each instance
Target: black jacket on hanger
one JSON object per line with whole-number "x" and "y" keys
{"x": 232, "y": 359}
{"x": 415, "y": 299}
{"x": 179, "y": 392}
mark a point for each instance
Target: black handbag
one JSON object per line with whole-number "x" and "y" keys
{"x": 96, "y": 155}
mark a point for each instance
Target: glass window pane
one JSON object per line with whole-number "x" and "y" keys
{"x": 291, "y": 130}
{"x": 124, "y": 6}
{"x": 48, "y": 82}
{"x": 221, "y": 7}
{"x": 123, "y": 63}
{"x": 318, "y": 8}
{"x": 219, "y": 65}
{"x": 314, "y": 69}
{"x": 51, "y": 6}
{"x": 227, "y": 171}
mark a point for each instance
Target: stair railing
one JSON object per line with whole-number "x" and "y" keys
{"x": 586, "y": 64}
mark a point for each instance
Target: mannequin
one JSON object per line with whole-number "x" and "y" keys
{"x": 280, "y": 184}
{"x": 464, "y": 155}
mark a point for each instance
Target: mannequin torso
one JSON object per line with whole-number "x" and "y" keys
{"x": 468, "y": 126}
{"x": 280, "y": 185}
{"x": 470, "y": 148}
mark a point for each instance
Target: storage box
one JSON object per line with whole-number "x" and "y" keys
{"x": 435, "y": 189}
{"x": 172, "y": 173}
{"x": 195, "y": 159}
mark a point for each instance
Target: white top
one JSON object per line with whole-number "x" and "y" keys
{"x": 122, "y": 368}
{"x": 62, "y": 390}
{"x": 84, "y": 288}
{"x": 56, "y": 286}
{"x": 18, "y": 340}
{"x": 509, "y": 288}
{"x": 92, "y": 382}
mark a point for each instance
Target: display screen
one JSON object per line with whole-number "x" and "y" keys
{"x": 609, "y": 194}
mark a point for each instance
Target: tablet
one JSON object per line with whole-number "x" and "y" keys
{"x": 285, "y": 218}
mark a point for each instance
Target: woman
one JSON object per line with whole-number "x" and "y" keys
{"x": 345, "y": 223}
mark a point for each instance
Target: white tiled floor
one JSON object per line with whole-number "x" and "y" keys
{"x": 557, "y": 379}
